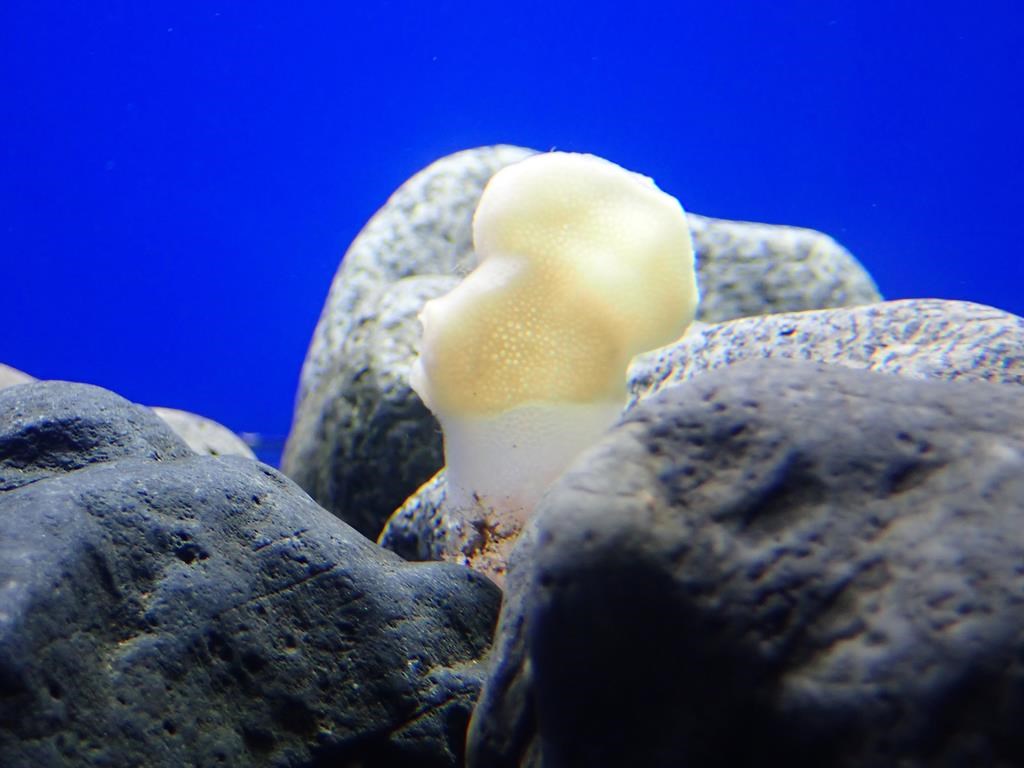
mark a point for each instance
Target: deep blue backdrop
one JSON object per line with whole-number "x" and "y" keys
{"x": 180, "y": 179}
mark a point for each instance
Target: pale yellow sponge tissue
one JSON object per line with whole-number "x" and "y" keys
{"x": 582, "y": 265}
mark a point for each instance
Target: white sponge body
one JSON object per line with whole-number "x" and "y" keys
{"x": 504, "y": 463}
{"x": 583, "y": 265}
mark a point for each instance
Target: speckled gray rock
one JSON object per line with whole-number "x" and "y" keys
{"x": 423, "y": 229}
{"x": 160, "y": 608}
{"x": 776, "y": 563}
{"x": 361, "y": 441}
{"x": 203, "y": 435}
{"x": 421, "y": 529}
{"x": 362, "y": 438}
{"x": 748, "y": 269}
{"x": 918, "y": 338}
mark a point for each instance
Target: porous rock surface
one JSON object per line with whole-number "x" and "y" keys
{"x": 775, "y": 563}
{"x": 160, "y": 608}
{"x": 361, "y": 440}
{"x": 201, "y": 434}
{"x": 915, "y": 338}
{"x": 745, "y": 268}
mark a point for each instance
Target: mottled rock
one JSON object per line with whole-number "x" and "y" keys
{"x": 917, "y": 338}
{"x": 775, "y": 563}
{"x": 361, "y": 440}
{"x": 423, "y": 229}
{"x": 204, "y": 436}
{"x": 421, "y": 528}
{"x": 160, "y": 608}
{"x": 745, "y": 269}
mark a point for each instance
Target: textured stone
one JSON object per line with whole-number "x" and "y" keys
{"x": 749, "y": 269}
{"x": 920, "y": 338}
{"x": 775, "y": 563}
{"x": 49, "y": 428}
{"x": 203, "y": 435}
{"x": 423, "y": 229}
{"x": 917, "y": 338}
{"x": 421, "y": 529}
{"x": 361, "y": 441}
{"x": 160, "y": 608}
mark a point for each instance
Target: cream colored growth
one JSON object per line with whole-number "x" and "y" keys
{"x": 582, "y": 266}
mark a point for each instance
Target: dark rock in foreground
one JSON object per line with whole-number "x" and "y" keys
{"x": 776, "y": 563}
{"x": 159, "y": 608}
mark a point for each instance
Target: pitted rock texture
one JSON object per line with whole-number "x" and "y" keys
{"x": 361, "y": 441}
{"x": 159, "y": 608}
{"x": 50, "y": 428}
{"x": 746, "y": 269}
{"x": 917, "y": 338}
{"x": 423, "y": 229}
{"x": 202, "y": 435}
{"x": 420, "y": 529}
{"x": 775, "y": 563}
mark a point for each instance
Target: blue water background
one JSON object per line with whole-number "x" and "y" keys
{"x": 179, "y": 180}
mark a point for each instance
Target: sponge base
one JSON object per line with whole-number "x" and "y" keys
{"x": 499, "y": 466}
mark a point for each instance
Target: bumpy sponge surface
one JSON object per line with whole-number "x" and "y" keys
{"x": 583, "y": 265}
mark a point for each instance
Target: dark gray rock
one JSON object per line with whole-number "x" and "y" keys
{"x": 50, "y": 428}
{"x": 159, "y": 608}
{"x": 775, "y": 563}
{"x": 202, "y": 435}
{"x": 422, "y": 529}
{"x": 361, "y": 441}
